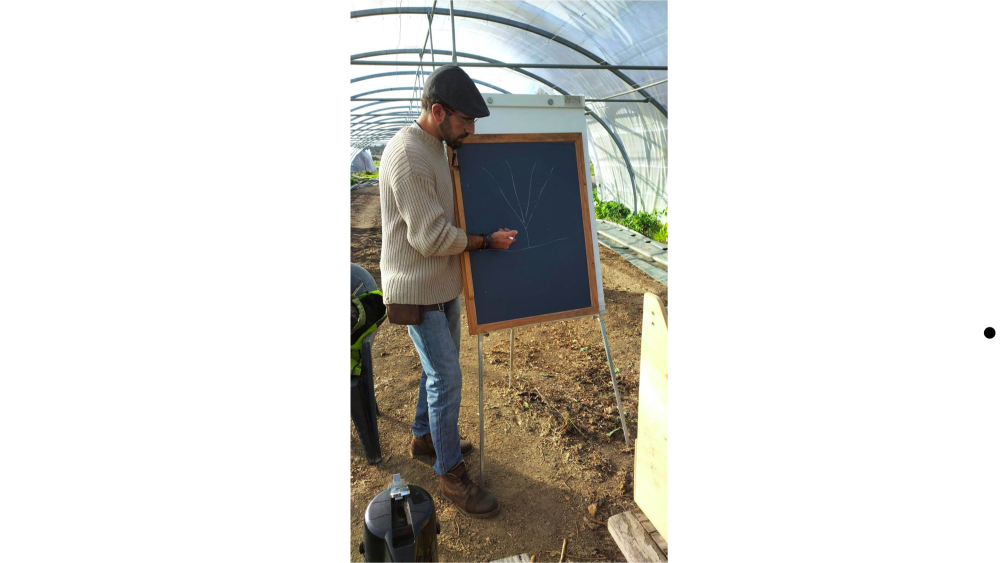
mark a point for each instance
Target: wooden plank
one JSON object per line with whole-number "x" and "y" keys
{"x": 659, "y": 541}
{"x": 644, "y": 520}
{"x": 651, "y": 435}
{"x": 648, "y": 526}
{"x": 522, "y": 138}
{"x": 470, "y": 301}
{"x": 588, "y": 219}
{"x": 517, "y": 323}
{"x": 522, "y": 558}
{"x": 632, "y": 539}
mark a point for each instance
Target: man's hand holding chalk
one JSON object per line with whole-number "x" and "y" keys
{"x": 503, "y": 238}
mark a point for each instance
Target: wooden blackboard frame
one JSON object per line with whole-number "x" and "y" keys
{"x": 470, "y": 298}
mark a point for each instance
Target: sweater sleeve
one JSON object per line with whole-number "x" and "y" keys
{"x": 427, "y": 228}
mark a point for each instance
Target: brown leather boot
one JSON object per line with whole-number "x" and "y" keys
{"x": 470, "y": 498}
{"x": 424, "y": 447}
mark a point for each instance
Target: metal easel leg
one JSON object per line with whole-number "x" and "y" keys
{"x": 614, "y": 380}
{"x": 510, "y": 361}
{"x": 482, "y": 433}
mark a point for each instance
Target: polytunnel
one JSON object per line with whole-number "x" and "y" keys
{"x": 614, "y": 54}
{"x": 361, "y": 160}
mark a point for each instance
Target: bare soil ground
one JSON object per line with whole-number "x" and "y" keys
{"x": 554, "y": 446}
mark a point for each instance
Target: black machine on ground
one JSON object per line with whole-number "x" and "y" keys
{"x": 400, "y": 525}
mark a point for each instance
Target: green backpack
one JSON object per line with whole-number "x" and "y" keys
{"x": 367, "y": 314}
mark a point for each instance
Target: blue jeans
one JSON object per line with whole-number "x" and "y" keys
{"x": 437, "y": 341}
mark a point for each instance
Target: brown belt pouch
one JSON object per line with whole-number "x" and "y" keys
{"x": 400, "y": 314}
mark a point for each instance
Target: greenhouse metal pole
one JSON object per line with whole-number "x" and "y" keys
{"x": 424, "y": 72}
{"x": 430, "y": 37}
{"x": 418, "y": 79}
{"x": 374, "y": 136}
{"x": 377, "y": 124}
{"x": 602, "y": 100}
{"x": 621, "y": 147}
{"x": 614, "y": 137}
{"x": 353, "y": 99}
{"x": 632, "y": 90}
{"x": 384, "y": 126}
{"x": 515, "y": 68}
{"x": 614, "y": 380}
{"x": 361, "y": 138}
{"x": 527, "y": 65}
{"x": 451, "y": 12}
{"x": 372, "y": 139}
{"x": 389, "y": 113}
{"x": 394, "y": 119}
{"x": 393, "y": 89}
{"x": 380, "y": 75}
{"x": 364, "y": 133}
{"x": 482, "y": 432}
{"x": 377, "y": 132}
{"x": 366, "y": 105}
{"x": 380, "y": 128}
{"x": 430, "y": 23}
{"x": 467, "y": 56}
{"x": 510, "y": 361}
{"x": 515, "y": 24}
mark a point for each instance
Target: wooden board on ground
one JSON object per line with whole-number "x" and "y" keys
{"x": 651, "y": 436}
{"x": 522, "y": 558}
{"x": 637, "y": 539}
{"x": 651, "y": 530}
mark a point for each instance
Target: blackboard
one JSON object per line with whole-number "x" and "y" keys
{"x": 535, "y": 184}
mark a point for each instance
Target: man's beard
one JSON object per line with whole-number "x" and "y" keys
{"x": 448, "y": 133}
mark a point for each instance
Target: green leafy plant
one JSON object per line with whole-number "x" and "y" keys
{"x": 599, "y": 210}
{"x": 616, "y": 212}
{"x": 642, "y": 222}
{"x": 649, "y": 224}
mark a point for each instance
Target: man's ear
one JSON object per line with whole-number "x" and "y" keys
{"x": 435, "y": 110}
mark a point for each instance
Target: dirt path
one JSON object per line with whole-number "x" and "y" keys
{"x": 544, "y": 470}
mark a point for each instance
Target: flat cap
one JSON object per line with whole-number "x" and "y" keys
{"x": 451, "y": 85}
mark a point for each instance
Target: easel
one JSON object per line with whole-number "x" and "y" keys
{"x": 510, "y": 375}
{"x": 595, "y": 302}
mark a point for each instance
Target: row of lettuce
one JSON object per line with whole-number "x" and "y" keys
{"x": 647, "y": 223}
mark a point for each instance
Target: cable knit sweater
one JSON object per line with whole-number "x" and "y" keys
{"x": 420, "y": 242}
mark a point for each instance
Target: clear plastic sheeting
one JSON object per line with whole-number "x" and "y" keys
{"x": 361, "y": 161}
{"x": 530, "y": 32}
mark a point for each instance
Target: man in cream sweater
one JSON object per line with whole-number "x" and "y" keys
{"x": 421, "y": 273}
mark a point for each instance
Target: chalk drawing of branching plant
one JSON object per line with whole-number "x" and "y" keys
{"x": 528, "y": 213}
